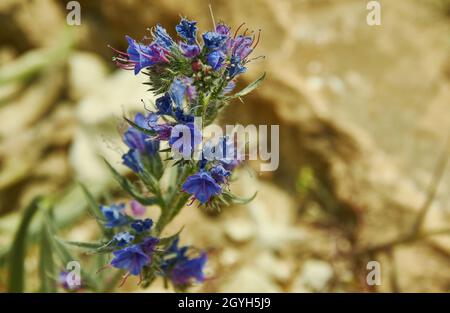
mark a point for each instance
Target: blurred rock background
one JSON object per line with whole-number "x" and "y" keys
{"x": 364, "y": 115}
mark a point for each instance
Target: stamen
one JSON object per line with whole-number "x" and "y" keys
{"x": 124, "y": 279}
{"x": 245, "y": 32}
{"x": 192, "y": 201}
{"x": 257, "y": 40}
{"x": 235, "y": 33}
{"x": 119, "y": 52}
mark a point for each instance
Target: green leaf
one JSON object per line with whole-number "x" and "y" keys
{"x": 17, "y": 253}
{"x": 93, "y": 207}
{"x": 167, "y": 241}
{"x": 144, "y": 130}
{"x": 46, "y": 262}
{"x": 130, "y": 187}
{"x": 250, "y": 87}
{"x": 238, "y": 200}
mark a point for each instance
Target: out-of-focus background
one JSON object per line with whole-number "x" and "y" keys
{"x": 364, "y": 115}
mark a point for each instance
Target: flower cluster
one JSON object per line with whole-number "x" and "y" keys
{"x": 138, "y": 250}
{"x": 193, "y": 80}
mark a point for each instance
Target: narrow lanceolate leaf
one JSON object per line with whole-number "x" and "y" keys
{"x": 17, "y": 253}
{"x": 94, "y": 210}
{"x": 238, "y": 200}
{"x": 46, "y": 263}
{"x": 167, "y": 241}
{"x": 146, "y": 131}
{"x": 93, "y": 207}
{"x": 130, "y": 187}
{"x": 250, "y": 87}
{"x": 80, "y": 244}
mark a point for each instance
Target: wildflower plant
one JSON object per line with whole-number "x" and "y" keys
{"x": 192, "y": 78}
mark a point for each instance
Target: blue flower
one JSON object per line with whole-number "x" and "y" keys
{"x": 148, "y": 245}
{"x": 141, "y": 56}
{"x": 235, "y": 67}
{"x": 187, "y": 30}
{"x": 164, "y": 104}
{"x": 202, "y": 186}
{"x": 213, "y": 40}
{"x": 177, "y": 91}
{"x": 131, "y": 258}
{"x": 135, "y": 139}
{"x": 220, "y": 174}
{"x": 114, "y": 215}
{"x": 186, "y": 271}
{"x": 123, "y": 238}
{"x": 229, "y": 87}
{"x": 215, "y": 59}
{"x": 182, "y": 117}
{"x": 162, "y": 38}
{"x": 132, "y": 159}
{"x": 187, "y": 145}
{"x": 142, "y": 225}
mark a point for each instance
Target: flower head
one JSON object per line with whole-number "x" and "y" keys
{"x": 187, "y": 30}
{"x": 184, "y": 139}
{"x": 136, "y": 139}
{"x": 214, "y": 40}
{"x": 215, "y": 59}
{"x": 220, "y": 174}
{"x": 189, "y": 270}
{"x": 142, "y": 225}
{"x": 202, "y": 186}
{"x": 131, "y": 258}
{"x": 114, "y": 215}
{"x": 123, "y": 238}
{"x": 162, "y": 38}
{"x": 190, "y": 51}
{"x": 132, "y": 159}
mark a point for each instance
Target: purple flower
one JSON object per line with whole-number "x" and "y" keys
{"x": 184, "y": 138}
{"x": 223, "y": 29}
{"x": 114, "y": 215}
{"x": 162, "y": 38}
{"x": 131, "y": 258}
{"x": 67, "y": 282}
{"x": 187, "y": 30}
{"x": 215, "y": 59}
{"x": 137, "y": 209}
{"x": 123, "y": 238}
{"x": 142, "y": 225}
{"x": 191, "y": 91}
{"x": 132, "y": 159}
{"x": 241, "y": 46}
{"x": 213, "y": 40}
{"x": 220, "y": 174}
{"x": 186, "y": 271}
{"x": 202, "y": 186}
{"x": 189, "y": 51}
{"x": 149, "y": 245}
